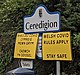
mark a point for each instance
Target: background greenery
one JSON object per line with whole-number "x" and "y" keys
{"x": 11, "y": 22}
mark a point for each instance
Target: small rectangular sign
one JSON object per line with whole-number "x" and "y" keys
{"x": 25, "y": 46}
{"x": 56, "y": 46}
{"x": 27, "y": 64}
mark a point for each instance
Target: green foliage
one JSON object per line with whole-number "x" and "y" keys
{"x": 76, "y": 40}
{"x": 11, "y": 21}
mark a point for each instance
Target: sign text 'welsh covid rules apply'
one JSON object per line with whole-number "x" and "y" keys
{"x": 56, "y": 46}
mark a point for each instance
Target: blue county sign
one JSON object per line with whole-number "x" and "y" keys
{"x": 42, "y": 21}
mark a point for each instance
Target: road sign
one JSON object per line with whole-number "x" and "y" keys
{"x": 42, "y": 21}
{"x": 56, "y": 46}
{"x": 25, "y": 46}
{"x": 27, "y": 64}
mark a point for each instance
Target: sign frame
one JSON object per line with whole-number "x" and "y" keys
{"x": 48, "y": 12}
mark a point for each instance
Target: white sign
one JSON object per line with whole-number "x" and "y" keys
{"x": 41, "y": 21}
{"x": 27, "y": 64}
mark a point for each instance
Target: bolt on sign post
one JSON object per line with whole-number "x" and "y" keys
{"x": 39, "y": 48}
{"x": 56, "y": 46}
{"x": 25, "y": 46}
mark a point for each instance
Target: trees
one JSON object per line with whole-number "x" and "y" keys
{"x": 11, "y": 21}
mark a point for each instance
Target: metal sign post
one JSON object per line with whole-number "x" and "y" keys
{"x": 39, "y": 48}
{"x": 57, "y": 67}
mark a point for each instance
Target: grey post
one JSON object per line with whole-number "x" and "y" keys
{"x": 57, "y": 67}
